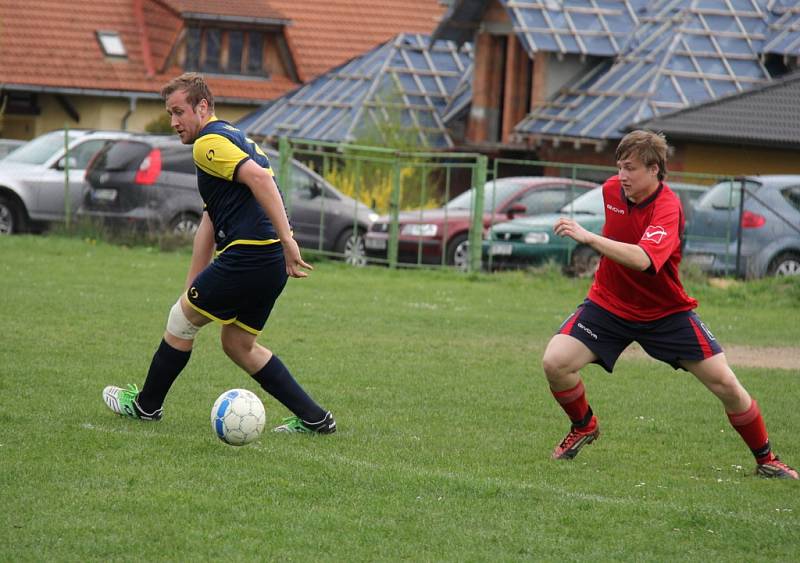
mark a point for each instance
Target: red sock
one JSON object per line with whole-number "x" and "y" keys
{"x": 750, "y": 426}
{"x": 573, "y": 401}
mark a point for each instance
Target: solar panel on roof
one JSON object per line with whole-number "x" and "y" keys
{"x": 384, "y": 83}
{"x": 675, "y": 53}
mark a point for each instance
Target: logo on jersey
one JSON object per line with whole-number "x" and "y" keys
{"x": 615, "y": 209}
{"x": 654, "y": 234}
{"x": 193, "y": 293}
{"x": 210, "y": 155}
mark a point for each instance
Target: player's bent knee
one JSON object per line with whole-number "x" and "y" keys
{"x": 178, "y": 325}
{"x": 236, "y": 347}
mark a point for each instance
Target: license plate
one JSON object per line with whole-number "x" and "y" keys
{"x": 104, "y": 194}
{"x": 375, "y": 243}
{"x": 700, "y": 259}
{"x": 501, "y": 249}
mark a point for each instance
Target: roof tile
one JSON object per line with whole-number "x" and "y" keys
{"x": 61, "y": 49}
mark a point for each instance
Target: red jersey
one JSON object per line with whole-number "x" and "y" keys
{"x": 656, "y": 225}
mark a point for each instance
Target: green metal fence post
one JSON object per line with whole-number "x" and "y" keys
{"x": 394, "y": 212}
{"x": 284, "y": 174}
{"x": 476, "y": 230}
{"x": 326, "y": 171}
{"x": 67, "y": 198}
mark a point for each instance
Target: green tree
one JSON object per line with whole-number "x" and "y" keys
{"x": 159, "y": 125}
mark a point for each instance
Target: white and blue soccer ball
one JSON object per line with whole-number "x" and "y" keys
{"x": 238, "y": 417}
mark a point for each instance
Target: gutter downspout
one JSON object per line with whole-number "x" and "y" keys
{"x": 131, "y": 109}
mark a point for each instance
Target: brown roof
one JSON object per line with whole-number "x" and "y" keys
{"x": 262, "y": 9}
{"x": 51, "y": 44}
{"x": 326, "y": 33}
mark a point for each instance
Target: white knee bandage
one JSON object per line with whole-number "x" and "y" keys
{"x": 178, "y": 325}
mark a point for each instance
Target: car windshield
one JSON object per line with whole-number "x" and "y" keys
{"x": 725, "y": 195}
{"x": 494, "y": 191}
{"x": 591, "y": 202}
{"x": 39, "y": 150}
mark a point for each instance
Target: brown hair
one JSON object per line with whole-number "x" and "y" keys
{"x": 195, "y": 87}
{"x": 648, "y": 147}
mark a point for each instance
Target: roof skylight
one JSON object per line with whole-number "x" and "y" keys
{"x": 111, "y": 44}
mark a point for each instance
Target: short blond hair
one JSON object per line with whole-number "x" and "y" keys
{"x": 195, "y": 87}
{"x": 648, "y": 147}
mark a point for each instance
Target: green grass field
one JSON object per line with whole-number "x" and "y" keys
{"x": 445, "y": 425}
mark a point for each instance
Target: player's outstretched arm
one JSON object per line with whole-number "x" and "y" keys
{"x": 266, "y": 193}
{"x": 202, "y": 248}
{"x": 629, "y": 255}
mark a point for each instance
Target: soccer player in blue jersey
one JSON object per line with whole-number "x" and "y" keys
{"x": 242, "y": 256}
{"x": 637, "y": 295}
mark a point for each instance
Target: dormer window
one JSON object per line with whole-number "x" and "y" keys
{"x": 111, "y": 44}
{"x": 219, "y": 50}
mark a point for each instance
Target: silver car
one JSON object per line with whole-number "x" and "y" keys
{"x": 754, "y": 238}
{"x": 8, "y": 145}
{"x": 149, "y": 182}
{"x": 32, "y": 177}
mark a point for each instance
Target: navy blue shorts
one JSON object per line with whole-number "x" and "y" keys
{"x": 240, "y": 286}
{"x": 680, "y": 336}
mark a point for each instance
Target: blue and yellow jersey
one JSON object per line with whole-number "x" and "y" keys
{"x": 238, "y": 218}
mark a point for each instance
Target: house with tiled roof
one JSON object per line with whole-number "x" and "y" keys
{"x": 101, "y": 64}
{"x": 563, "y": 80}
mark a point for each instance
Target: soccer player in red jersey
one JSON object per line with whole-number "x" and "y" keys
{"x": 637, "y": 295}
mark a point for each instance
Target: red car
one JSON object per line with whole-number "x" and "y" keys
{"x": 440, "y": 236}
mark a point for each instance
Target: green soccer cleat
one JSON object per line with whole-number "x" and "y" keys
{"x": 123, "y": 402}
{"x": 296, "y": 425}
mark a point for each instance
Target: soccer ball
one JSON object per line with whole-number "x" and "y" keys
{"x": 238, "y": 417}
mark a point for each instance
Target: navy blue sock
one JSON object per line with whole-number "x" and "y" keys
{"x": 164, "y": 370}
{"x": 276, "y": 380}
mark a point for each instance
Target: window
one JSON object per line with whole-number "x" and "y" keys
{"x": 792, "y": 195}
{"x": 81, "y": 154}
{"x": 121, "y": 156}
{"x": 225, "y": 51}
{"x": 722, "y": 196}
{"x": 177, "y": 159}
{"x": 193, "y": 48}
{"x": 235, "y": 49}
{"x": 111, "y": 44}
{"x": 255, "y": 53}
{"x": 548, "y": 200}
{"x": 39, "y": 150}
{"x": 213, "y": 42}
{"x": 303, "y": 185}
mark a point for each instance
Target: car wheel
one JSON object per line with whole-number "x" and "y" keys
{"x": 351, "y": 246}
{"x": 458, "y": 252}
{"x": 785, "y": 264}
{"x": 11, "y": 216}
{"x": 585, "y": 262}
{"x": 184, "y": 225}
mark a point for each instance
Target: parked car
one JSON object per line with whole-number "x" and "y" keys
{"x": 441, "y": 235}
{"x": 32, "y": 177}
{"x": 150, "y": 182}
{"x": 530, "y": 240}
{"x": 8, "y": 145}
{"x": 769, "y": 228}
